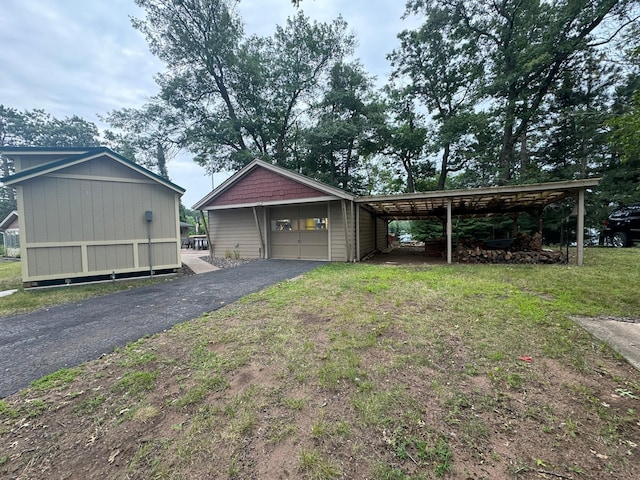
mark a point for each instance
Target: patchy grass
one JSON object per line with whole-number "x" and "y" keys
{"x": 357, "y": 371}
{"x": 10, "y": 275}
{"x": 29, "y": 300}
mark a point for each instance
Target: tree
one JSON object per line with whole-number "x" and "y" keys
{"x": 150, "y": 135}
{"x": 239, "y": 97}
{"x": 348, "y": 117}
{"x": 403, "y": 138}
{"x": 526, "y": 47}
{"x": 444, "y": 73}
{"x": 572, "y": 138}
{"x": 36, "y": 128}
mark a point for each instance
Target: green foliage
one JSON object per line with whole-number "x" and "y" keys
{"x": 37, "y": 128}
{"x": 386, "y": 378}
{"x": 7, "y": 410}
{"x": 136, "y": 383}
{"x": 341, "y": 135}
{"x": 315, "y": 466}
{"x": 240, "y": 96}
{"x": 150, "y": 135}
{"x": 517, "y": 93}
{"x": 10, "y": 275}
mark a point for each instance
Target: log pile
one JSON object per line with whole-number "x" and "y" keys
{"x": 524, "y": 249}
{"x": 435, "y": 248}
{"x": 479, "y": 255}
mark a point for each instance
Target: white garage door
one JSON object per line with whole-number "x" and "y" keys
{"x": 299, "y": 232}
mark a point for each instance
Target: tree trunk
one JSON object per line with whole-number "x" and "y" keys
{"x": 508, "y": 145}
{"x": 444, "y": 166}
{"x": 408, "y": 166}
{"x": 162, "y": 161}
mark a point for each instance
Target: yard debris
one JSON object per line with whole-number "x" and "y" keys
{"x": 524, "y": 358}
{"x": 113, "y": 455}
{"x": 625, "y": 393}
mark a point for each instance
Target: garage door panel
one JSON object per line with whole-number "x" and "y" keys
{"x": 299, "y": 232}
{"x": 314, "y": 244}
{"x": 285, "y": 244}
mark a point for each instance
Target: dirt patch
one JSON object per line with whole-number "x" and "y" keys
{"x": 247, "y": 394}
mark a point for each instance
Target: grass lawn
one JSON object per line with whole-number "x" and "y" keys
{"x": 357, "y": 371}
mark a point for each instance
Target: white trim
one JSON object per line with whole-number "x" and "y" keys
{"x": 534, "y": 187}
{"x": 44, "y": 170}
{"x": 449, "y": 230}
{"x": 580, "y": 229}
{"x": 329, "y": 229}
{"x": 101, "y": 178}
{"x": 93, "y": 243}
{"x": 273, "y": 203}
{"x": 358, "y": 233}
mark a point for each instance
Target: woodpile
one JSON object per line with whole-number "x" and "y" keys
{"x": 435, "y": 248}
{"x": 479, "y": 255}
{"x": 523, "y": 249}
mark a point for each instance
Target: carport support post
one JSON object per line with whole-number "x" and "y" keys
{"x": 580, "y": 228}
{"x": 449, "y": 231}
{"x": 148, "y": 216}
{"x": 346, "y": 229}
{"x": 262, "y": 248}
{"x": 206, "y": 231}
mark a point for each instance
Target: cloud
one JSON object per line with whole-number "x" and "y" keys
{"x": 73, "y": 57}
{"x": 83, "y": 57}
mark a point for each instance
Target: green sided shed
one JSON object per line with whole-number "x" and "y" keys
{"x": 89, "y": 213}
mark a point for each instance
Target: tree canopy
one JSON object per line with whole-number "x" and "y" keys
{"x": 481, "y": 93}
{"x": 37, "y": 128}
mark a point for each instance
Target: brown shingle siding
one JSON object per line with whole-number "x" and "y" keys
{"x": 260, "y": 185}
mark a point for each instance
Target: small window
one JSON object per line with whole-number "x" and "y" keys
{"x": 283, "y": 225}
{"x": 12, "y": 239}
{"x": 314, "y": 224}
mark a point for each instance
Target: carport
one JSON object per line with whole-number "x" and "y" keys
{"x": 509, "y": 200}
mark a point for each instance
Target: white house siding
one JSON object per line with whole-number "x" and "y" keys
{"x": 234, "y": 231}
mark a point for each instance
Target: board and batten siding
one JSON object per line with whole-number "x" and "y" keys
{"x": 235, "y": 230}
{"x": 79, "y": 225}
{"x": 372, "y": 234}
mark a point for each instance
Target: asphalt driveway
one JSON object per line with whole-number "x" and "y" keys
{"x": 35, "y": 344}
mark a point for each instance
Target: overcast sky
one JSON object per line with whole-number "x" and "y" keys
{"x": 83, "y": 57}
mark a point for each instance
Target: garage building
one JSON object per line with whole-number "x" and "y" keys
{"x": 265, "y": 211}
{"x": 88, "y": 213}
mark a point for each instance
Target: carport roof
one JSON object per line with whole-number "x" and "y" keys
{"x": 474, "y": 202}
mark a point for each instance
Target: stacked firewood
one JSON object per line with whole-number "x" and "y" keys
{"x": 524, "y": 249}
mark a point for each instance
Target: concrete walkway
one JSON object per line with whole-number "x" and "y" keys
{"x": 622, "y": 336}
{"x": 191, "y": 258}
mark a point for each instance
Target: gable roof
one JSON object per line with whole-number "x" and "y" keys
{"x": 261, "y": 183}
{"x": 75, "y": 156}
{"x": 8, "y": 220}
